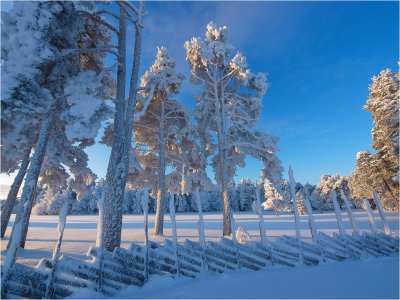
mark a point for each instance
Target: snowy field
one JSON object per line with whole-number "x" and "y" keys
{"x": 372, "y": 278}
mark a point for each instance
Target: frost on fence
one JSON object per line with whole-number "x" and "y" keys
{"x": 133, "y": 266}
{"x": 125, "y": 267}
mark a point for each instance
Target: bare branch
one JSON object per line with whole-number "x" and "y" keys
{"x": 99, "y": 20}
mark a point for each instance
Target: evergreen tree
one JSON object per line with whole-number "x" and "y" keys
{"x": 246, "y": 194}
{"x": 51, "y": 77}
{"x": 380, "y": 171}
{"x": 158, "y": 131}
{"x": 228, "y": 107}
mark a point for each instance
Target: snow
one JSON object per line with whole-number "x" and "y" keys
{"x": 242, "y": 236}
{"x": 81, "y": 231}
{"x": 374, "y": 278}
{"x": 366, "y": 278}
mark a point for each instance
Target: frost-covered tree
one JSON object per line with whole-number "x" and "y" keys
{"x": 320, "y": 197}
{"x": 300, "y": 203}
{"x": 158, "y": 131}
{"x": 383, "y": 104}
{"x": 380, "y": 171}
{"x": 63, "y": 34}
{"x": 228, "y": 107}
{"x": 195, "y": 179}
{"x": 273, "y": 197}
{"x": 246, "y": 194}
{"x": 24, "y": 101}
{"x": 271, "y": 183}
{"x": 368, "y": 178}
{"x": 125, "y": 107}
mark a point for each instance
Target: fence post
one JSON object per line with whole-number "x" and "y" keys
{"x": 173, "y": 225}
{"x": 145, "y": 205}
{"x": 100, "y": 235}
{"x": 370, "y": 216}
{"x": 296, "y": 214}
{"x": 65, "y": 208}
{"x": 202, "y": 239}
{"x": 356, "y": 231}
{"x": 338, "y": 213}
{"x": 311, "y": 221}
{"x": 382, "y": 214}
{"x": 261, "y": 224}
{"x": 233, "y": 226}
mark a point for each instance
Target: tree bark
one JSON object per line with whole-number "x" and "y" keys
{"x": 116, "y": 170}
{"x": 220, "y": 111}
{"x": 118, "y": 166}
{"x": 159, "y": 222}
{"x": 12, "y": 194}
{"x": 28, "y": 194}
{"x": 27, "y": 197}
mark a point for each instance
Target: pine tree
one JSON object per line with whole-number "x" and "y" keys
{"x": 62, "y": 38}
{"x": 273, "y": 197}
{"x": 125, "y": 107}
{"x": 246, "y": 194}
{"x": 300, "y": 203}
{"x": 158, "y": 131}
{"x": 228, "y": 107}
{"x": 320, "y": 196}
{"x": 380, "y": 171}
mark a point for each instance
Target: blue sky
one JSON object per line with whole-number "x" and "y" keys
{"x": 320, "y": 57}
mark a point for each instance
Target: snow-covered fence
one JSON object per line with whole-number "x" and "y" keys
{"x": 125, "y": 267}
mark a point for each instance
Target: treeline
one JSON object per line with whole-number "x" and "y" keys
{"x": 241, "y": 198}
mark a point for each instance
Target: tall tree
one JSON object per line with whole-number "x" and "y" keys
{"x": 26, "y": 98}
{"x": 158, "y": 131}
{"x": 53, "y": 75}
{"x": 381, "y": 169}
{"x": 118, "y": 165}
{"x": 321, "y": 196}
{"x": 228, "y": 107}
{"x": 246, "y": 193}
{"x": 63, "y": 38}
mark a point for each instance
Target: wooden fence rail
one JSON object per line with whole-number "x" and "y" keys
{"x": 60, "y": 277}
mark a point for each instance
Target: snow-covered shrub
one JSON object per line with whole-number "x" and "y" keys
{"x": 50, "y": 204}
{"x": 242, "y": 236}
{"x": 300, "y": 204}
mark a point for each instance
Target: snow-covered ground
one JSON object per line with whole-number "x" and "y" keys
{"x": 80, "y": 231}
{"x": 372, "y": 278}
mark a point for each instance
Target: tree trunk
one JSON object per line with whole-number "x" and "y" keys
{"x": 28, "y": 194}
{"x": 116, "y": 170}
{"x": 12, "y": 194}
{"x": 145, "y": 204}
{"x": 159, "y": 223}
{"x": 27, "y": 197}
{"x": 202, "y": 237}
{"x": 220, "y": 111}
{"x": 227, "y": 226}
{"x": 118, "y": 166}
